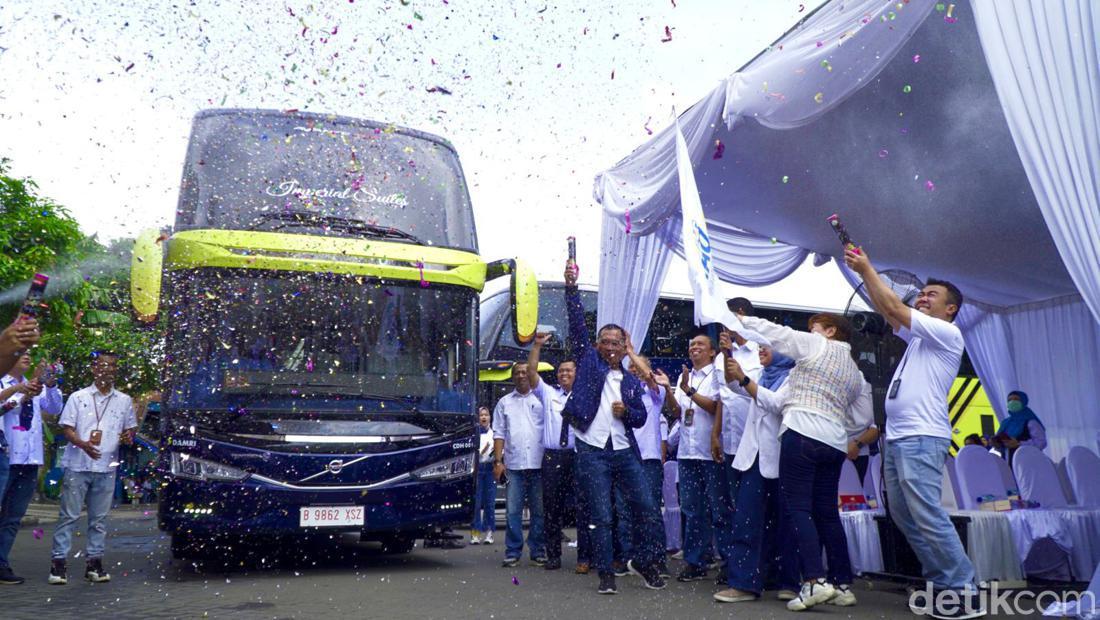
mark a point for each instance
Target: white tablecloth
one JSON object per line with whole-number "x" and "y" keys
{"x": 997, "y": 542}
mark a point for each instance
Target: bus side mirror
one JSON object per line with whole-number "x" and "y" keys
{"x": 525, "y": 302}
{"x": 145, "y": 273}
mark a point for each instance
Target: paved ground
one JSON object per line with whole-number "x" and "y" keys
{"x": 350, "y": 581}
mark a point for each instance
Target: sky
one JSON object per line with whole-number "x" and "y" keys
{"x": 543, "y": 96}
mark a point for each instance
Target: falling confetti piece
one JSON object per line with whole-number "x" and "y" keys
{"x": 916, "y": 58}
{"x": 648, "y": 131}
{"x": 819, "y": 97}
{"x": 626, "y": 215}
{"x": 940, "y": 7}
{"x": 515, "y": 580}
{"x": 38, "y": 533}
{"x": 439, "y": 89}
{"x": 930, "y": 186}
{"x": 719, "y": 149}
{"x": 883, "y": 154}
{"x": 825, "y": 65}
{"x": 786, "y": 178}
{"x": 774, "y": 240}
{"x": 668, "y": 35}
{"x": 801, "y": 7}
{"x": 907, "y": 89}
{"x": 819, "y": 44}
{"x": 423, "y": 282}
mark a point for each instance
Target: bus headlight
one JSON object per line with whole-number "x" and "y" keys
{"x": 187, "y": 466}
{"x": 456, "y": 467}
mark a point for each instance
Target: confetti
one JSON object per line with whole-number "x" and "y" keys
{"x": 668, "y": 35}
{"x": 819, "y": 97}
{"x": 801, "y": 7}
{"x": 907, "y": 89}
{"x": 515, "y": 580}
{"x": 648, "y": 131}
{"x": 916, "y": 58}
{"x": 939, "y": 7}
{"x": 930, "y": 186}
{"x": 774, "y": 240}
{"x": 439, "y": 89}
{"x": 38, "y": 533}
{"x": 785, "y": 178}
{"x": 423, "y": 282}
{"x": 883, "y": 154}
{"x": 825, "y": 65}
{"x": 719, "y": 149}
{"x": 626, "y": 215}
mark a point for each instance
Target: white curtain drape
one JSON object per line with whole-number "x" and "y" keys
{"x": 990, "y": 349}
{"x": 1056, "y": 354}
{"x": 637, "y": 266}
{"x": 1045, "y": 61}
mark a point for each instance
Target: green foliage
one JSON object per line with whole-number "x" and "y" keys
{"x": 89, "y": 292}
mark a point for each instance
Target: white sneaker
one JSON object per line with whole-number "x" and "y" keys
{"x": 475, "y": 540}
{"x": 679, "y": 555}
{"x": 812, "y": 593}
{"x": 488, "y": 538}
{"x": 786, "y": 595}
{"x": 844, "y": 596}
{"x": 733, "y": 595}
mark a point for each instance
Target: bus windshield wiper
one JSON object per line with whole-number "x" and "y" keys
{"x": 299, "y": 218}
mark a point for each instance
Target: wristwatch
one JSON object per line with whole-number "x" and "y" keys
{"x": 691, "y": 391}
{"x": 859, "y": 444}
{"x": 745, "y": 381}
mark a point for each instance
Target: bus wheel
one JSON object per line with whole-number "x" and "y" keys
{"x": 398, "y": 544}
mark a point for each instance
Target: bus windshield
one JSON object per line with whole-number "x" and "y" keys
{"x": 311, "y": 174}
{"x": 245, "y": 340}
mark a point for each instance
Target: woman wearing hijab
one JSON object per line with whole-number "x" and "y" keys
{"x": 1022, "y": 427}
{"x": 757, "y": 517}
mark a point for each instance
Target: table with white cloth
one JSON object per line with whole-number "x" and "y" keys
{"x": 997, "y": 542}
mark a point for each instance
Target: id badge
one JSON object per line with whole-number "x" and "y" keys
{"x": 689, "y": 417}
{"x": 96, "y": 437}
{"x": 894, "y": 387}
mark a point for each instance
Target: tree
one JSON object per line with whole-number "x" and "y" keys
{"x": 88, "y": 295}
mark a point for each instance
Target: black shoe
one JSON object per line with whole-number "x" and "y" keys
{"x": 9, "y": 578}
{"x": 552, "y": 564}
{"x": 722, "y": 577}
{"x": 59, "y": 575}
{"x": 509, "y": 562}
{"x": 649, "y": 573}
{"x": 607, "y": 584}
{"x": 662, "y": 570}
{"x": 539, "y": 561}
{"x": 94, "y": 571}
{"x": 692, "y": 573}
{"x": 620, "y": 569}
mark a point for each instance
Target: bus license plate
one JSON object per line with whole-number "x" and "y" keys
{"x": 330, "y": 516}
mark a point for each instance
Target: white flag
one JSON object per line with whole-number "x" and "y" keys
{"x": 710, "y": 307}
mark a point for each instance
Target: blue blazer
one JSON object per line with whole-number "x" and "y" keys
{"x": 584, "y": 401}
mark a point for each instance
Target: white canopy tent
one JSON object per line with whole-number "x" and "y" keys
{"x": 956, "y": 141}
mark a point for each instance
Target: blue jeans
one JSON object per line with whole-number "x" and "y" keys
{"x": 77, "y": 488}
{"x": 653, "y": 474}
{"x": 524, "y": 485}
{"x": 21, "y": 482}
{"x": 485, "y": 499}
{"x": 4, "y": 467}
{"x": 600, "y": 472}
{"x": 756, "y": 539}
{"x": 705, "y": 506}
{"x": 809, "y": 474}
{"x": 914, "y": 477}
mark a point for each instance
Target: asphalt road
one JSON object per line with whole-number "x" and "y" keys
{"x": 338, "y": 581}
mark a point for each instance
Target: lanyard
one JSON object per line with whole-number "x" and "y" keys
{"x": 99, "y": 414}
{"x": 705, "y": 377}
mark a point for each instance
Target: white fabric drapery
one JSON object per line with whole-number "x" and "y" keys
{"x": 631, "y": 301}
{"x": 1045, "y": 63}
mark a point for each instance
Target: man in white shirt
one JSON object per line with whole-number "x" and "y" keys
{"x": 517, "y": 447}
{"x": 918, "y": 431}
{"x": 557, "y": 459}
{"x": 95, "y": 421}
{"x": 24, "y": 404}
{"x": 702, "y": 498}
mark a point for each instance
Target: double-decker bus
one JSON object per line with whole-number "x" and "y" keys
{"x": 319, "y": 295}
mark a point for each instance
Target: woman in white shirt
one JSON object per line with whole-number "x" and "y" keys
{"x": 820, "y": 391}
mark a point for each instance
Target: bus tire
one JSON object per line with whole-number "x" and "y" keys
{"x": 398, "y": 544}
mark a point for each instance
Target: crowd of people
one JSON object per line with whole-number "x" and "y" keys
{"x": 760, "y": 433}
{"x": 95, "y": 421}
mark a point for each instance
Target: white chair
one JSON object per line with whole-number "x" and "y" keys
{"x": 1063, "y": 477}
{"x": 1007, "y": 478}
{"x": 978, "y": 476}
{"x": 671, "y": 512}
{"x": 849, "y": 480}
{"x": 1083, "y": 470}
{"x": 1037, "y": 478}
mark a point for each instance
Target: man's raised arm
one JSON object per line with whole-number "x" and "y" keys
{"x": 883, "y": 299}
